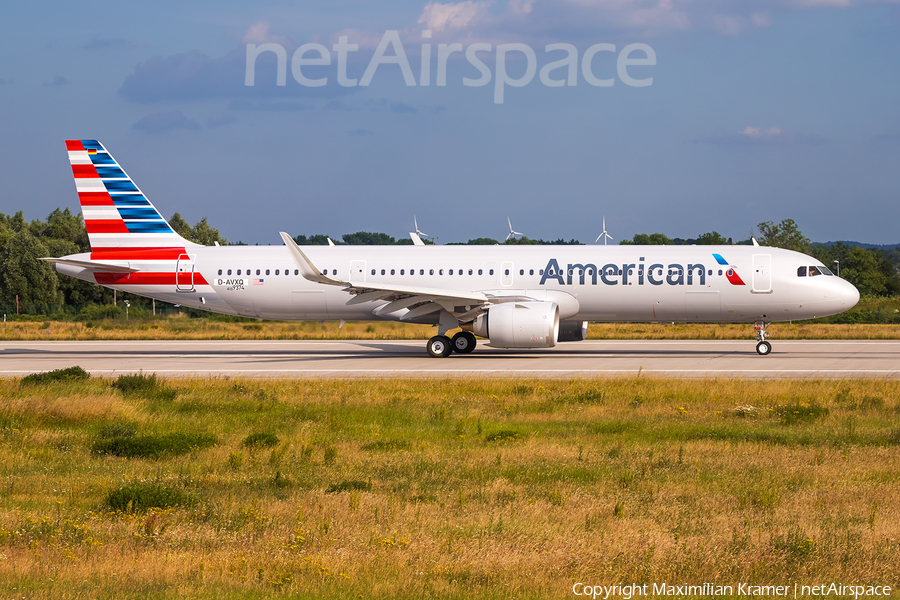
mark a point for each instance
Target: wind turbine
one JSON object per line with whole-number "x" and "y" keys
{"x": 511, "y": 232}
{"x": 418, "y": 235}
{"x": 604, "y": 235}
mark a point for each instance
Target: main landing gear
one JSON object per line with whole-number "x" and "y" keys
{"x": 442, "y": 346}
{"x": 762, "y": 346}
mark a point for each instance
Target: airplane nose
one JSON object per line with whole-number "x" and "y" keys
{"x": 849, "y": 295}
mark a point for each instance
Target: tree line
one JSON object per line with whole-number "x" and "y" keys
{"x": 22, "y": 243}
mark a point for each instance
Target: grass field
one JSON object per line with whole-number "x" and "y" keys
{"x": 206, "y": 329}
{"x": 145, "y": 488}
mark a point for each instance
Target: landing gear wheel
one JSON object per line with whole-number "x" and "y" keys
{"x": 762, "y": 347}
{"x": 439, "y": 346}
{"x": 463, "y": 342}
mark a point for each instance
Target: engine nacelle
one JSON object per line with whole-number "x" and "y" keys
{"x": 572, "y": 331}
{"x": 519, "y": 325}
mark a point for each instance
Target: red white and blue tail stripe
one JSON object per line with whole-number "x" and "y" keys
{"x": 117, "y": 215}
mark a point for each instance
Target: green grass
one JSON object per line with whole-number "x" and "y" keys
{"x": 70, "y": 374}
{"x": 153, "y": 446}
{"x": 462, "y": 489}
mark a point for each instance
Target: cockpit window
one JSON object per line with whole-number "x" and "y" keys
{"x": 801, "y": 272}
{"x": 813, "y": 271}
{"x": 825, "y": 271}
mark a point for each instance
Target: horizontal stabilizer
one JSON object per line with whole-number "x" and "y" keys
{"x": 93, "y": 265}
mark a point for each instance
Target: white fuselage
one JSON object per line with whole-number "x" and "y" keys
{"x": 589, "y": 283}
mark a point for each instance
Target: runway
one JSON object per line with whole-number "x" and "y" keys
{"x": 835, "y": 359}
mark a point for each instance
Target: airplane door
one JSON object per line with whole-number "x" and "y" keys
{"x": 357, "y": 271}
{"x": 506, "y": 273}
{"x": 184, "y": 273}
{"x": 762, "y": 274}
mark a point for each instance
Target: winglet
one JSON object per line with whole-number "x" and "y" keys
{"x": 308, "y": 270}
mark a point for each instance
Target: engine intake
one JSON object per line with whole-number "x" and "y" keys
{"x": 518, "y": 325}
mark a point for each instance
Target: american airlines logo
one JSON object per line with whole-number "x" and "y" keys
{"x": 635, "y": 273}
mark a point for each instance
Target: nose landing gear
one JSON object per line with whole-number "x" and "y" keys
{"x": 762, "y": 346}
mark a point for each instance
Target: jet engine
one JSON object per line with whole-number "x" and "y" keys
{"x": 572, "y": 331}
{"x": 518, "y": 325}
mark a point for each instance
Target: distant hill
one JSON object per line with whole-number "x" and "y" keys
{"x": 860, "y": 244}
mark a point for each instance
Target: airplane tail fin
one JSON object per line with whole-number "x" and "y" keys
{"x": 118, "y": 217}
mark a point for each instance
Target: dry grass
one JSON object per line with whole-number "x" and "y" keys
{"x": 480, "y": 489}
{"x": 205, "y": 329}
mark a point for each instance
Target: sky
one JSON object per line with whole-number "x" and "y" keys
{"x": 672, "y": 116}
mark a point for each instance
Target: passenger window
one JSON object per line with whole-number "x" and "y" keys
{"x": 373, "y": 271}
{"x": 296, "y": 271}
{"x": 403, "y": 271}
{"x": 440, "y": 271}
{"x": 220, "y": 271}
{"x": 521, "y": 271}
{"x": 257, "y": 271}
{"x": 540, "y": 272}
{"x": 450, "y": 272}
{"x": 506, "y": 272}
{"x": 531, "y": 271}
{"x": 710, "y": 272}
{"x": 480, "y": 272}
{"x": 277, "y": 272}
{"x": 431, "y": 271}
{"x": 382, "y": 271}
{"x": 229, "y": 271}
{"x": 267, "y": 271}
{"x": 720, "y": 272}
{"x": 491, "y": 272}
{"x": 630, "y": 272}
{"x": 392, "y": 271}
{"x": 421, "y": 271}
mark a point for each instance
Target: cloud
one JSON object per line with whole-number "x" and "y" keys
{"x": 462, "y": 15}
{"x": 338, "y": 105}
{"x": 268, "y": 105}
{"x": 98, "y": 42}
{"x": 258, "y": 33}
{"x": 757, "y": 135}
{"x": 761, "y": 19}
{"x": 58, "y": 80}
{"x": 162, "y": 122}
{"x": 222, "y": 120}
{"x": 402, "y": 107}
{"x": 195, "y": 76}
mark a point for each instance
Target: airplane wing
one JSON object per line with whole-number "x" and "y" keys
{"x": 93, "y": 265}
{"x": 419, "y": 300}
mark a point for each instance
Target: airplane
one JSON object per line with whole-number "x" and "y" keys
{"x": 514, "y": 296}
